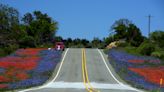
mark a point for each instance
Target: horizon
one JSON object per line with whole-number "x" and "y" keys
{"x": 89, "y": 19}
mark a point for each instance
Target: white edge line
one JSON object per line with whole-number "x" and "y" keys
{"x": 113, "y": 75}
{"x": 43, "y": 86}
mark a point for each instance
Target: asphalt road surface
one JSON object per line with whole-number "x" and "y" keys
{"x": 84, "y": 70}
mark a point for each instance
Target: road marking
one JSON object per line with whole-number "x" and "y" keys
{"x": 80, "y": 85}
{"x": 43, "y": 86}
{"x": 87, "y": 84}
{"x": 94, "y": 90}
{"x": 113, "y": 75}
{"x": 83, "y": 72}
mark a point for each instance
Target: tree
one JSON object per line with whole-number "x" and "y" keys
{"x": 133, "y": 35}
{"x": 120, "y": 28}
{"x": 157, "y": 38}
{"x": 27, "y": 41}
{"x": 97, "y": 43}
{"x": 28, "y": 18}
{"x": 9, "y": 25}
{"x": 120, "y": 31}
{"x": 126, "y": 30}
{"x": 40, "y": 26}
{"x": 108, "y": 40}
{"x": 58, "y": 39}
{"x": 68, "y": 42}
{"x": 85, "y": 42}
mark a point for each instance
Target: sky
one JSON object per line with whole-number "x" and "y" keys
{"x": 94, "y": 18}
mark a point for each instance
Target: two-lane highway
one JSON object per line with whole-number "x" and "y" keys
{"x": 84, "y": 70}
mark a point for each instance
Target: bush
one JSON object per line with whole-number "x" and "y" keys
{"x": 146, "y": 48}
{"x": 8, "y": 49}
{"x": 2, "y": 52}
{"x": 122, "y": 44}
{"x": 11, "y": 48}
{"x": 159, "y": 54}
{"x": 47, "y": 45}
{"x": 27, "y": 41}
{"x": 131, "y": 50}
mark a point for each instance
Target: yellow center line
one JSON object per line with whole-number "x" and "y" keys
{"x": 83, "y": 72}
{"x": 89, "y": 87}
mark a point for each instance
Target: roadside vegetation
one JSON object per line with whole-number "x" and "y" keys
{"x": 131, "y": 40}
{"x": 27, "y": 68}
{"x": 33, "y": 30}
{"x": 137, "y": 59}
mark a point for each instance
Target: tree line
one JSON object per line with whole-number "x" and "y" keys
{"x": 82, "y": 43}
{"x": 37, "y": 29}
{"x": 32, "y": 30}
{"x": 134, "y": 41}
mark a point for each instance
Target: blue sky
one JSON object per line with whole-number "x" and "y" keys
{"x": 93, "y": 18}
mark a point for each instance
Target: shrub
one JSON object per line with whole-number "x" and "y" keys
{"x": 122, "y": 44}
{"x": 47, "y": 45}
{"x": 159, "y": 54}
{"x": 8, "y": 49}
{"x": 146, "y": 48}
{"x": 131, "y": 50}
{"x": 2, "y": 52}
{"x": 11, "y": 48}
{"x": 27, "y": 41}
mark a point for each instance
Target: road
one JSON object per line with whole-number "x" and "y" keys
{"x": 85, "y": 70}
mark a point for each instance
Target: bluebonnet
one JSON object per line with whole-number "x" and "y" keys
{"x": 42, "y": 72}
{"x": 2, "y": 70}
{"x": 27, "y": 83}
{"x": 140, "y": 81}
{"x": 49, "y": 61}
{"x": 119, "y": 60}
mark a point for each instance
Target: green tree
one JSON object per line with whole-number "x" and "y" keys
{"x": 97, "y": 43}
{"x": 40, "y": 26}
{"x": 157, "y": 38}
{"x": 85, "y": 42}
{"x": 107, "y": 40}
{"x": 68, "y": 42}
{"x": 58, "y": 39}
{"x": 27, "y": 41}
{"x": 125, "y": 29}
{"x": 120, "y": 28}
{"x": 28, "y": 18}
{"x": 10, "y": 32}
{"x": 9, "y": 25}
{"x": 133, "y": 35}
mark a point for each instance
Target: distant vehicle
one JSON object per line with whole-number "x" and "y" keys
{"x": 59, "y": 46}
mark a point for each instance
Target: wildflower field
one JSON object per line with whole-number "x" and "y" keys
{"x": 27, "y": 68}
{"x": 140, "y": 71}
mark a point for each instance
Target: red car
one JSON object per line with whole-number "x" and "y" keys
{"x": 59, "y": 46}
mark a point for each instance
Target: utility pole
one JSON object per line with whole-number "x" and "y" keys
{"x": 149, "y": 24}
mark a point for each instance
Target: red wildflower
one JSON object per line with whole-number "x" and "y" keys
{"x": 22, "y": 76}
{"x": 150, "y": 74}
{"x": 3, "y": 86}
{"x": 29, "y": 51}
{"x": 19, "y": 65}
{"x": 4, "y": 79}
{"x": 13, "y": 75}
{"x": 19, "y": 59}
{"x": 27, "y": 63}
{"x": 136, "y": 61}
